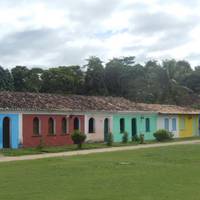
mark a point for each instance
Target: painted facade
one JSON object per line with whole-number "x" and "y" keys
{"x": 20, "y": 127}
{"x": 169, "y": 123}
{"x": 188, "y": 125}
{"x": 102, "y": 125}
{"x": 10, "y": 130}
{"x": 58, "y": 138}
{"x": 135, "y": 124}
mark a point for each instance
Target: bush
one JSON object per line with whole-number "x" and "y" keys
{"x": 135, "y": 138}
{"x": 162, "y": 135}
{"x": 110, "y": 139}
{"x": 141, "y": 138}
{"x": 41, "y": 144}
{"x": 78, "y": 138}
{"x": 125, "y": 137}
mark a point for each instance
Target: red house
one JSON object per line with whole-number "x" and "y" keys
{"x": 50, "y": 129}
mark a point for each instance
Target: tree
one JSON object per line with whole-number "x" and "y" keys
{"x": 27, "y": 80}
{"x": 192, "y": 81}
{"x": 6, "y": 81}
{"x": 95, "y": 77}
{"x": 33, "y": 80}
{"x": 183, "y": 69}
{"x": 117, "y": 75}
{"x": 170, "y": 68}
{"x": 68, "y": 80}
{"x": 177, "y": 70}
{"x": 171, "y": 82}
{"x": 136, "y": 83}
{"x": 20, "y": 74}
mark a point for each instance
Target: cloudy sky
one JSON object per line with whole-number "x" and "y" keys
{"x": 63, "y": 32}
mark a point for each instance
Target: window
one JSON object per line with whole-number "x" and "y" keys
{"x": 166, "y": 124}
{"x": 122, "y": 125}
{"x": 51, "y": 126}
{"x": 173, "y": 124}
{"x": 64, "y": 125}
{"x": 36, "y": 126}
{"x": 147, "y": 124}
{"x": 76, "y": 124}
{"x": 91, "y": 124}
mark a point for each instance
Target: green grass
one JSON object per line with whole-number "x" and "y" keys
{"x": 56, "y": 149}
{"x": 146, "y": 174}
{"x": 32, "y": 151}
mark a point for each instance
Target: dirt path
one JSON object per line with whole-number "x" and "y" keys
{"x": 85, "y": 152}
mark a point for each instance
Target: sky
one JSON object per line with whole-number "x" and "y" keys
{"x": 51, "y": 33}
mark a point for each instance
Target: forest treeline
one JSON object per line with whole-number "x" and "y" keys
{"x": 169, "y": 82}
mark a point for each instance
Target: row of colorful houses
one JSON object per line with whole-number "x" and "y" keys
{"x": 26, "y": 119}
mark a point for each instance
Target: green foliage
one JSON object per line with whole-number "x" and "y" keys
{"x": 27, "y": 79}
{"x": 62, "y": 80}
{"x": 125, "y": 137}
{"x": 141, "y": 138}
{"x": 135, "y": 138}
{"x": 117, "y": 75}
{"x": 33, "y": 80}
{"x": 163, "y": 135}
{"x": 41, "y": 144}
{"x": 171, "y": 82}
{"x": 78, "y": 138}
{"x": 109, "y": 141}
{"x": 20, "y": 74}
{"x": 6, "y": 80}
{"x": 94, "y": 79}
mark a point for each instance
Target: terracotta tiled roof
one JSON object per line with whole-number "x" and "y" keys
{"x": 52, "y": 102}
{"x": 168, "y": 109}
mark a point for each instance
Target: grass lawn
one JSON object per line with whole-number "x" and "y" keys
{"x": 56, "y": 149}
{"x": 146, "y": 174}
{"x": 31, "y": 151}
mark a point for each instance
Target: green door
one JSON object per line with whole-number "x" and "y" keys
{"x": 134, "y": 127}
{"x": 106, "y": 129}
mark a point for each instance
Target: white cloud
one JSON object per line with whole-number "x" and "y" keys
{"x": 62, "y": 32}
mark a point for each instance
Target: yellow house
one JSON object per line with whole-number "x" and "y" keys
{"x": 181, "y": 121}
{"x": 188, "y": 125}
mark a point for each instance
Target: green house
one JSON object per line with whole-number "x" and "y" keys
{"x": 134, "y": 124}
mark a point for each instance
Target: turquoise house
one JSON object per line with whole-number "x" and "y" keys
{"x": 134, "y": 124}
{"x": 9, "y": 131}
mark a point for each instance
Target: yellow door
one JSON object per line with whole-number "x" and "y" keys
{"x": 185, "y": 125}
